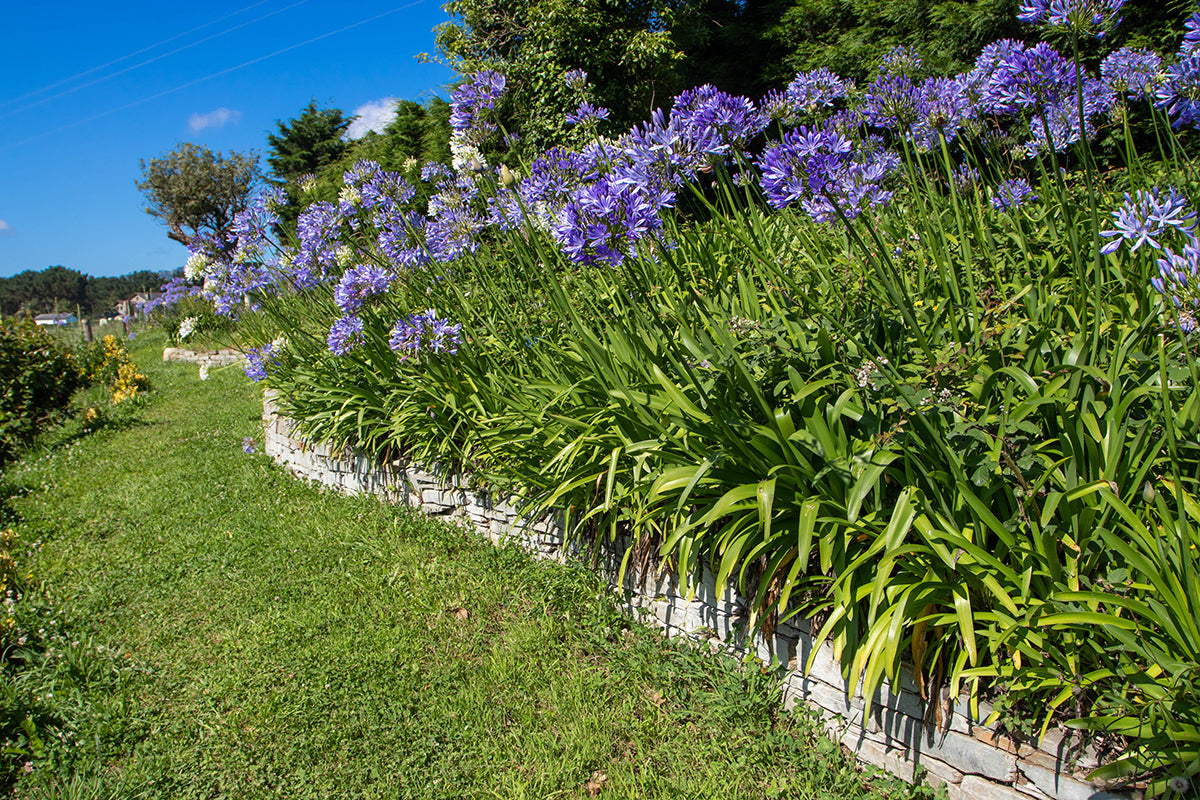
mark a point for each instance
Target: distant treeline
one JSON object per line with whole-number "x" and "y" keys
{"x": 57, "y": 289}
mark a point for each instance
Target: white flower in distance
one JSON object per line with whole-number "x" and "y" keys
{"x": 187, "y": 327}
{"x": 204, "y": 371}
{"x": 197, "y": 264}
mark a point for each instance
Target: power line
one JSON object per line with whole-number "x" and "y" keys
{"x": 148, "y": 61}
{"x": 87, "y": 72}
{"x": 189, "y": 84}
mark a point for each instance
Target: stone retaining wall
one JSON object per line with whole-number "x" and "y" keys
{"x": 211, "y": 358}
{"x": 971, "y": 760}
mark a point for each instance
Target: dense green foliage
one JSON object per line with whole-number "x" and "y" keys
{"x": 38, "y": 375}
{"x": 61, "y": 289}
{"x": 625, "y": 48}
{"x": 200, "y": 624}
{"x": 307, "y": 142}
{"x": 950, "y": 428}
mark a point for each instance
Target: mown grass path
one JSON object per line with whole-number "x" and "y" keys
{"x": 228, "y": 631}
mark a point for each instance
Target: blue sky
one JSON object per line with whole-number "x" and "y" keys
{"x": 89, "y": 89}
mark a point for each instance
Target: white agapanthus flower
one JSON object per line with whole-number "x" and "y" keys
{"x": 197, "y": 264}
{"x": 187, "y": 327}
{"x": 465, "y": 156}
{"x": 350, "y": 195}
{"x": 204, "y": 371}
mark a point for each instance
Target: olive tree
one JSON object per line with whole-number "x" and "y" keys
{"x": 195, "y": 192}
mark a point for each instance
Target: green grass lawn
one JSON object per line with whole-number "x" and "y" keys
{"x": 212, "y": 627}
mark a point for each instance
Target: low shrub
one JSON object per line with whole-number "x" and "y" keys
{"x": 38, "y": 375}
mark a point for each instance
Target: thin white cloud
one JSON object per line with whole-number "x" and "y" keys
{"x": 213, "y": 119}
{"x": 372, "y": 116}
{"x": 5, "y": 227}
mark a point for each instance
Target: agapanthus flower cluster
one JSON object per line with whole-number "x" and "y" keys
{"x": 1179, "y": 92}
{"x": 259, "y": 359}
{"x": 1061, "y": 120}
{"x": 822, "y": 170}
{"x": 344, "y": 335}
{"x": 378, "y": 193}
{"x": 1043, "y": 86}
{"x": 946, "y": 109}
{"x": 251, "y": 230}
{"x": 1011, "y": 78}
{"x": 901, "y": 60}
{"x": 1131, "y": 72}
{"x": 173, "y": 291}
{"x": 575, "y": 79}
{"x": 586, "y": 112}
{"x": 471, "y": 102}
{"x": 1085, "y": 17}
{"x": 360, "y": 283}
{"x": 706, "y": 126}
{"x": 187, "y": 326}
{"x": 197, "y": 264}
{"x": 425, "y": 332}
{"x": 1151, "y": 217}
{"x": 318, "y": 230}
{"x": 1178, "y": 281}
{"x": 892, "y": 101}
{"x": 808, "y": 94}
{"x": 1165, "y": 221}
{"x": 605, "y": 221}
{"x": 540, "y": 197}
{"x": 453, "y": 225}
{"x": 1012, "y": 194}
{"x": 965, "y": 178}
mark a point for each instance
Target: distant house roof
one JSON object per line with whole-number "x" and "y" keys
{"x": 55, "y": 319}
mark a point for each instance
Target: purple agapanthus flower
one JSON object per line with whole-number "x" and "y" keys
{"x": 575, "y": 78}
{"x": 1061, "y": 120}
{"x": 318, "y": 230}
{"x": 1087, "y": 17}
{"x": 173, "y": 291}
{"x": 821, "y": 169}
{"x": 945, "y": 109}
{"x": 344, "y": 335}
{"x": 1191, "y": 36}
{"x": 808, "y": 93}
{"x": 258, "y": 360}
{"x": 1132, "y": 72}
{"x": 894, "y": 102}
{"x": 540, "y": 196}
{"x": 471, "y": 101}
{"x": 425, "y": 332}
{"x": 359, "y": 284}
{"x": 1178, "y": 278}
{"x": 706, "y": 113}
{"x": 1147, "y": 216}
{"x": 587, "y": 113}
{"x": 248, "y": 445}
{"x": 965, "y": 178}
{"x": 1179, "y": 93}
{"x": 1012, "y": 194}
{"x": 901, "y": 60}
{"x": 605, "y": 221}
{"x": 1011, "y": 78}
{"x": 402, "y": 238}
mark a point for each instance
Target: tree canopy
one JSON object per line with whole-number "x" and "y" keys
{"x": 60, "y": 288}
{"x": 308, "y": 142}
{"x": 625, "y": 48}
{"x": 196, "y": 192}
